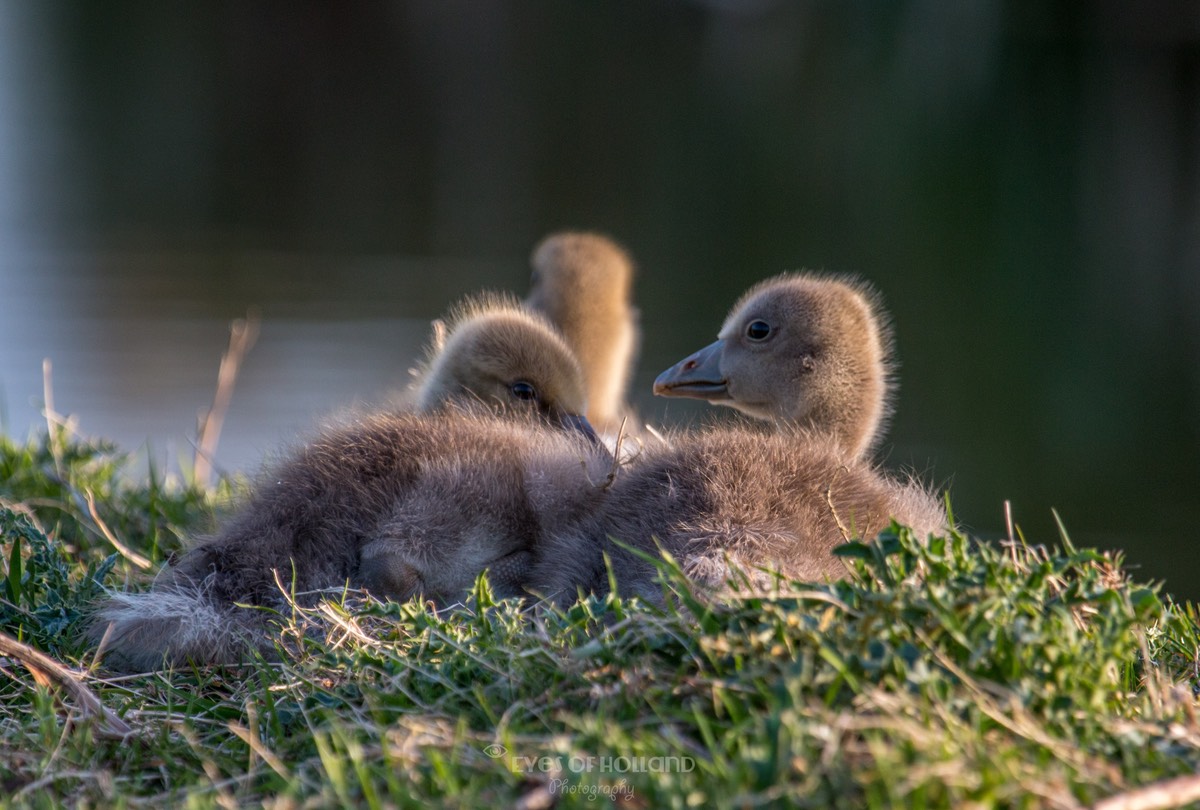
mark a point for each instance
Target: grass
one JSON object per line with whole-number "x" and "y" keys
{"x": 951, "y": 673}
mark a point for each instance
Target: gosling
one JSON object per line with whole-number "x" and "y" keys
{"x": 398, "y": 502}
{"x": 812, "y": 354}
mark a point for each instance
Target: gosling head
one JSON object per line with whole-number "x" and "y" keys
{"x": 497, "y": 353}
{"x": 581, "y": 282}
{"x": 815, "y": 351}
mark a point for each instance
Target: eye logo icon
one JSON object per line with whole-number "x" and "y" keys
{"x": 495, "y": 751}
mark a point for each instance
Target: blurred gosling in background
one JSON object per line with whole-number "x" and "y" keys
{"x": 582, "y": 283}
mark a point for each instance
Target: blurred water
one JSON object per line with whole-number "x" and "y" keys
{"x": 1021, "y": 180}
{"x": 135, "y": 348}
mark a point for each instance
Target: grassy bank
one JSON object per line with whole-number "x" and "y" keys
{"x": 946, "y": 674}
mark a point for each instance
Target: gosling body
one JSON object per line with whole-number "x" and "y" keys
{"x": 729, "y": 500}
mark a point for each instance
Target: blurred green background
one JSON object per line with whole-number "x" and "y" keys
{"x": 1020, "y": 179}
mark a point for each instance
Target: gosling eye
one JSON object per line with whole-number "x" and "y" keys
{"x": 758, "y": 330}
{"x": 523, "y": 390}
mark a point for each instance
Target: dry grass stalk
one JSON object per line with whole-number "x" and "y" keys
{"x": 1169, "y": 793}
{"x": 243, "y": 332}
{"x": 102, "y": 527}
{"x": 48, "y": 672}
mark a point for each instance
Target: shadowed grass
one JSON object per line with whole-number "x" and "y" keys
{"x": 947, "y": 673}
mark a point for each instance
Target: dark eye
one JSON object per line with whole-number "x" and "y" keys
{"x": 758, "y": 330}
{"x": 523, "y": 390}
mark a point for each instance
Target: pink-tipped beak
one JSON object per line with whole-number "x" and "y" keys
{"x": 697, "y": 376}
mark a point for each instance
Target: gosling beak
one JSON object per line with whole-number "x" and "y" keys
{"x": 697, "y": 376}
{"x": 576, "y": 422}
